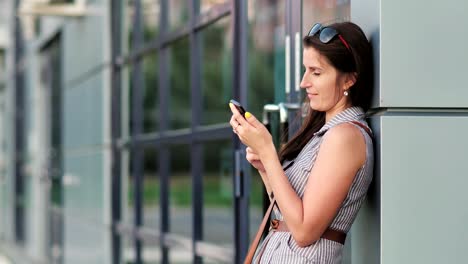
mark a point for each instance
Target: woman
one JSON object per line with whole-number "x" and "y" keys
{"x": 321, "y": 176}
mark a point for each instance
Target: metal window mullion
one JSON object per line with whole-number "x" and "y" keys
{"x": 116, "y": 86}
{"x": 241, "y": 212}
{"x": 164, "y": 154}
{"x": 18, "y": 131}
{"x": 196, "y": 147}
{"x": 137, "y": 128}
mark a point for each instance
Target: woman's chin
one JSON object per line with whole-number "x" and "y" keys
{"x": 314, "y": 106}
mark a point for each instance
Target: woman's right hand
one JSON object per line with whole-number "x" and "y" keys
{"x": 254, "y": 159}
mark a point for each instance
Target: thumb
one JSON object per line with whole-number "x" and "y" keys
{"x": 252, "y": 119}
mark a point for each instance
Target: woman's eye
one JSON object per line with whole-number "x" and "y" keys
{"x": 316, "y": 73}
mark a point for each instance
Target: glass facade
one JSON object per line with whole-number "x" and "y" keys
{"x": 218, "y": 220}
{"x": 179, "y": 114}
{"x": 216, "y": 75}
{"x": 150, "y": 92}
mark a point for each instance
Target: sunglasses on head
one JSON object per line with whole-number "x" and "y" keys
{"x": 326, "y": 34}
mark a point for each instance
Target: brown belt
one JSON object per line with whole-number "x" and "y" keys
{"x": 330, "y": 234}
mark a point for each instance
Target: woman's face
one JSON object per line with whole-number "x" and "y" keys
{"x": 324, "y": 85}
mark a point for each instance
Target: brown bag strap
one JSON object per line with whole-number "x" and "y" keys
{"x": 258, "y": 236}
{"x": 367, "y": 129}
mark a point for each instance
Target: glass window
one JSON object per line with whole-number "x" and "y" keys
{"x": 180, "y": 255}
{"x": 180, "y": 114}
{"x": 150, "y": 94}
{"x": 150, "y": 11}
{"x": 127, "y": 189}
{"x": 324, "y": 12}
{"x": 151, "y": 210}
{"x": 149, "y": 90}
{"x": 151, "y": 254}
{"x": 256, "y": 202}
{"x": 180, "y": 201}
{"x": 128, "y": 254}
{"x": 208, "y": 4}
{"x": 128, "y": 96}
{"x": 217, "y": 72}
{"x": 128, "y": 18}
{"x": 266, "y": 54}
{"x": 218, "y": 222}
{"x": 180, "y": 191}
{"x": 126, "y": 100}
{"x": 178, "y": 13}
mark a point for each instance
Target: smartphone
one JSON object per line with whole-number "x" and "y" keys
{"x": 238, "y": 106}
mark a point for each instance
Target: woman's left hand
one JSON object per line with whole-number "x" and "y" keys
{"x": 250, "y": 131}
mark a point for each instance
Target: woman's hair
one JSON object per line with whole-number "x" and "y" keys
{"x": 357, "y": 60}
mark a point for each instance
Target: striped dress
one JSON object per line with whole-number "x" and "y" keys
{"x": 280, "y": 247}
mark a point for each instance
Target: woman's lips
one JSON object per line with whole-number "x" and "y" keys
{"x": 310, "y": 95}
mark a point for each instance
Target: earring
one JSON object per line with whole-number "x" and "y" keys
{"x": 346, "y": 93}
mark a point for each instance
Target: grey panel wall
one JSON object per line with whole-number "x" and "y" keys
{"x": 424, "y": 179}
{"x": 423, "y": 53}
{"x": 365, "y": 233}
{"x": 415, "y": 212}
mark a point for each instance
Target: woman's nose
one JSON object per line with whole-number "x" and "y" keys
{"x": 304, "y": 82}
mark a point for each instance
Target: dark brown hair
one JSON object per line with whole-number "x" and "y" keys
{"x": 356, "y": 60}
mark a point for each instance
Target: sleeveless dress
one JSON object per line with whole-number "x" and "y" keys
{"x": 280, "y": 247}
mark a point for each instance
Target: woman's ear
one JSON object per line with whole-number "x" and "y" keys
{"x": 350, "y": 80}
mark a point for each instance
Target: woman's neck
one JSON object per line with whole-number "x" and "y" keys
{"x": 335, "y": 110}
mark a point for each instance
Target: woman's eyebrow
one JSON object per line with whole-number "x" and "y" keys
{"x": 313, "y": 67}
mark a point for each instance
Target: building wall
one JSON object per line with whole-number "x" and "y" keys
{"x": 86, "y": 141}
{"x": 85, "y": 57}
{"x": 415, "y": 211}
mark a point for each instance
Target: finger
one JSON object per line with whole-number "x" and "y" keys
{"x": 233, "y": 109}
{"x": 252, "y": 120}
{"x": 233, "y": 122}
{"x": 237, "y": 116}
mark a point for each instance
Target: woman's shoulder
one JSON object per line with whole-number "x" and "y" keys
{"x": 346, "y": 140}
{"x": 345, "y": 132}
